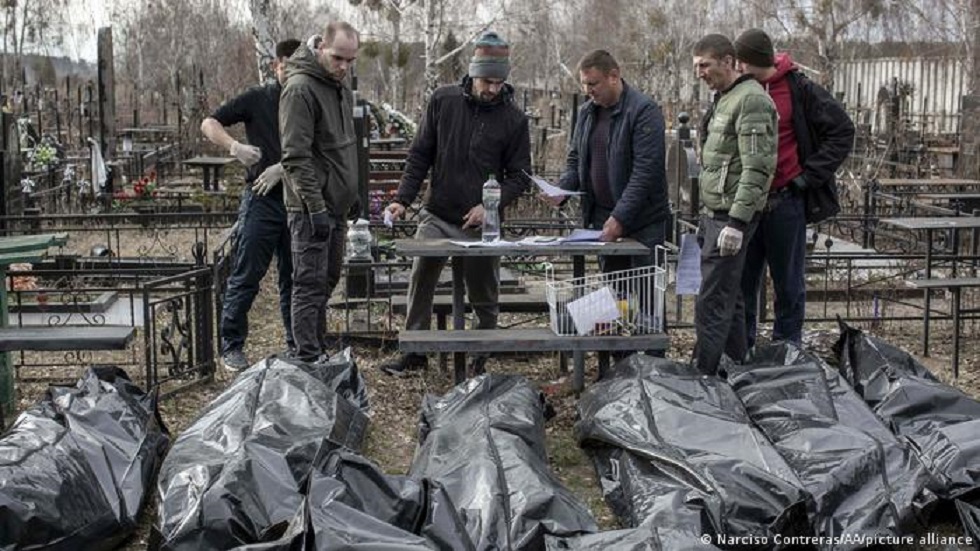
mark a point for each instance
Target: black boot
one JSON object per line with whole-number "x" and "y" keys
{"x": 405, "y": 365}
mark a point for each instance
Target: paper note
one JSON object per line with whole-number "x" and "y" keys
{"x": 582, "y": 235}
{"x": 551, "y": 190}
{"x": 540, "y": 240}
{"x": 594, "y": 308}
{"x": 689, "y": 266}
{"x": 389, "y": 221}
{"x": 470, "y": 244}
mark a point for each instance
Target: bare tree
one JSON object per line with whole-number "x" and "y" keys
{"x": 394, "y": 12}
{"x": 265, "y": 44}
{"x": 27, "y": 26}
{"x": 827, "y": 22}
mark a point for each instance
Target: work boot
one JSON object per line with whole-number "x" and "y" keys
{"x": 234, "y": 360}
{"x": 405, "y": 365}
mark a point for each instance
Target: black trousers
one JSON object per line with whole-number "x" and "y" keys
{"x": 720, "y": 313}
{"x": 316, "y": 271}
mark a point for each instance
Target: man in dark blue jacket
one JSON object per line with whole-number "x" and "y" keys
{"x": 468, "y": 132}
{"x": 616, "y": 157}
{"x": 262, "y": 230}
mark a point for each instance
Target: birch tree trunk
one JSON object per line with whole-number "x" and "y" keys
{"x": 397, "y": 71}
{"x": 433, "y": 36}
{"x": 265, "y": 45}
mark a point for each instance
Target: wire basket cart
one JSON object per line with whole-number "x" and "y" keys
{"x": 624, "y": 302}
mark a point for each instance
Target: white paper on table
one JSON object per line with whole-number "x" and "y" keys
{"x": 551, "y": 190}
{"x": 581, "y": 234}
{"x": 595, "y": 307}
{"x": 689, "y": 266}
{"x": 471, "y": 244}
{"x": 540, "y": 240}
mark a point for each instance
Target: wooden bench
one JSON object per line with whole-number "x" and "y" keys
{"x": 535, "y": 339}
{"x": 442, "y": 308}
{"x": 955, "y": 285}
{"x": 61, "y": 338}
{"x": 442, "y": 305}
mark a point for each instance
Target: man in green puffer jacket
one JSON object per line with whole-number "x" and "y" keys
{"x": 316, "y": 121}
{"x": 738, "y": 160}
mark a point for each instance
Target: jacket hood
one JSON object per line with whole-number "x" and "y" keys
{"x": 304, "y": 62}
{"x": 784, "y": 65}
{"x": 506, "y": 94}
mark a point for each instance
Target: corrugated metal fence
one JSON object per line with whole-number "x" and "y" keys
{"x": 937, "y": 85}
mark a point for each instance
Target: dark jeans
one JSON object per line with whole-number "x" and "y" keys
{"x": 650, "y": 235}
{"x": 316, "y": 270}
{"x": 720, "y": 312}
{"x": 780, "y": 243}
{"x": 262, "y": 233}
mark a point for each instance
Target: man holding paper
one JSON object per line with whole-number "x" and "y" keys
{"x": 616, "y": 161}
{"x": 469, "y": 131}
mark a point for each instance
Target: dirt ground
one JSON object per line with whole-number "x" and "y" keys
{"x": 396, "y": 402}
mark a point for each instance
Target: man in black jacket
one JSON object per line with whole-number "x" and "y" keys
{"x": 815, "y": 137}
{"x": 468, "y": 132}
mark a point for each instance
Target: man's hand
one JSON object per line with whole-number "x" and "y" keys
{"x": 474, "y": 218}
{"x": 322, "y": 224}
{"x": 798, "y": 184}
{"x": 248, "y": 155}
{"x": 394, "y": 211}
{"x": 268, "y": 180}
{"x": 553, "y": 201}
{"x": 611, "y": 230}
{"x": 729, "y": 241}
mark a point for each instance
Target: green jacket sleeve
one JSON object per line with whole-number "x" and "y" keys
{"x": 296, "y": 120}
{"x": 756, "y": 128}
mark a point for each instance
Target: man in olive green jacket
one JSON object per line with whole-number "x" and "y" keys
{"x": 738, "y": 160}
{"x": 320, "y": 160}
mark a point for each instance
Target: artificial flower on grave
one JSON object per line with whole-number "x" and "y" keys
{"x": 44, "y": 156}
{"x": 398, "y": 123}
{"x": 146, "y": 186}
{"x": 21, "y": 283}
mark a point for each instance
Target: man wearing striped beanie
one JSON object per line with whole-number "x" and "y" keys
{"x": 491, "y": 57}
{"x": 470, "y": 131}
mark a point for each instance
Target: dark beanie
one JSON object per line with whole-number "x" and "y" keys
{"x": 491, "y": 57}
{"x": 755, "y": 48}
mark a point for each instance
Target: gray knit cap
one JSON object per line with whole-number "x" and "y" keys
{"x": 491, "y": 57}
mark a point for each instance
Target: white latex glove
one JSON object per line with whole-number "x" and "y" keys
{"x": 729, "y": 241}
{"x": 268, "y": 180}
{"x": 248, "y": 155}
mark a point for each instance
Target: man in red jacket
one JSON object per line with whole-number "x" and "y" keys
{"x": 815, "y": 137}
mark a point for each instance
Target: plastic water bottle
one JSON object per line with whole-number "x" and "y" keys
{"x": 491, "y": 207}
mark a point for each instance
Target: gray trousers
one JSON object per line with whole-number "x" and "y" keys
{"x": 720, "y": 312}
{"x": 481, "y": 274}
{"x": 316, "y": 271}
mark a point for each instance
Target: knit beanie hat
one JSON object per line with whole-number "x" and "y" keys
{"x": 755, "y": 48}
{"x": 491, "y": 57}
